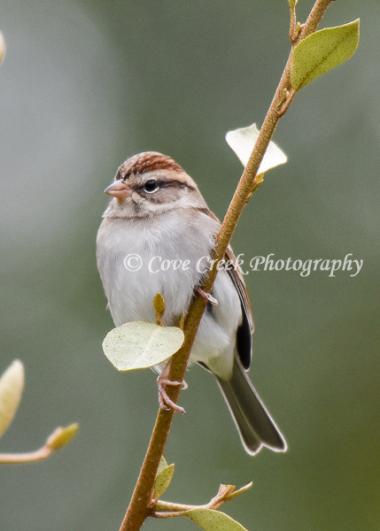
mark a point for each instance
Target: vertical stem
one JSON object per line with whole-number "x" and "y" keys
{"x": 138, "y": 509}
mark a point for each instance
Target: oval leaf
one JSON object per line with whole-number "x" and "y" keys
{"x": 163, "y": 480}
{"x": 211, "y": 520}
{"x": 243, "y": 140}
{"x": 2, "y": 47}
{"x": 322, "y": 51}
{"x": 11, "y": 387}
{"x": 139, "y": 345}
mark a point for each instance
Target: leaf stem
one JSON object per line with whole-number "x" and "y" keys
{"x": 138, "y": 509}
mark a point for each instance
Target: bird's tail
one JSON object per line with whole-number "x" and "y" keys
{"x": 255, "y": 425}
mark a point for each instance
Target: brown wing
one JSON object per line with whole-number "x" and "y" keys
{"x": 247, "y": 327}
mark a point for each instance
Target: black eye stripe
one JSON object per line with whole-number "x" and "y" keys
{"x": 165, "y": 184}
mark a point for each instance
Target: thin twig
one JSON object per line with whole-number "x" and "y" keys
{"x": 138, "y": 509}
{"x": 28, "y": 457}
{"x": 163, "y": 509}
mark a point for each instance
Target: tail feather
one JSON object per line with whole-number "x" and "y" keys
{"x": 254, "y": 423}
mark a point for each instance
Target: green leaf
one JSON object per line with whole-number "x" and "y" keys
{"x": 139, "y": 345}
{"x": 211, "y": 520}
{"x": 11, "y": 388}
{"x": 163, "y": 479}
{"x": 322, "y": 51}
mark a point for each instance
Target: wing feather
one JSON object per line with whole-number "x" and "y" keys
{"x": 246, "y": 329}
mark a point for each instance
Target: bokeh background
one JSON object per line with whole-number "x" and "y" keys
{"x": 86, "y": 84}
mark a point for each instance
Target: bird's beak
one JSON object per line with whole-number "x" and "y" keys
{"x": 118, "y": 189}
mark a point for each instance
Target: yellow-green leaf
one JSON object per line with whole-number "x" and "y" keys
{"x": 139, "y": 345}
{"x": 11, "y": 388}
{"x": 62, "y": 436}
{"x": 162, "y": 464}
{"x": 322, "y": 51}
{"x": 163, "y": 479}
{"x": 292, "y": 3}
{"x": 2, "y": 47}
{"x": 211, "y": 520}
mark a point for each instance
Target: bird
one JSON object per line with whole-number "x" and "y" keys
{"x": 156, "y": 213}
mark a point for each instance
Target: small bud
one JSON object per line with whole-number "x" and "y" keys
{"x": 238, "y": 492}
{"x": 62, "y": 436}
{"x": 159, "y": 307}
{"x": 259, "y": 179}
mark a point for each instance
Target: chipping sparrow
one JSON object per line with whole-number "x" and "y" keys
{"x": 156, "y": 210}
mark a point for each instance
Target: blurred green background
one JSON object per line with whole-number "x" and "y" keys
{"x": 86, "y": 84}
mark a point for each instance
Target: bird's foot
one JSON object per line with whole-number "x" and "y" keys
{"x": 164, "y": 399}
{"x": 207, "y": 296}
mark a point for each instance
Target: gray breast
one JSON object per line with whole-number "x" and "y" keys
{"x": 138, "y": 258}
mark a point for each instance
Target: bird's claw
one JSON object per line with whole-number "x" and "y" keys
{"x": 166, "y": 403}
{"x": 207, "y": 296}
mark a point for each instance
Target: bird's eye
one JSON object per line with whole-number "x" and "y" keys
{"x": 151, "y": 186}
